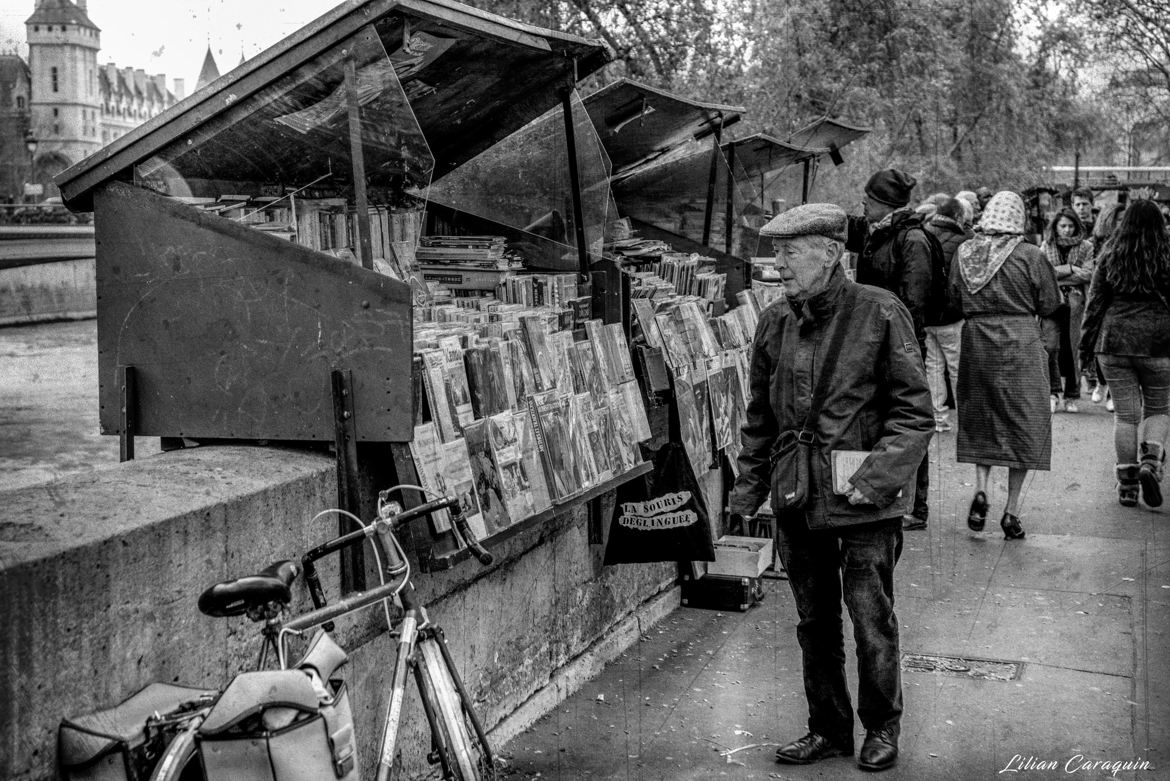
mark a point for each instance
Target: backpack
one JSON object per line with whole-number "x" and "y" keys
{"x": 938, "y": 305}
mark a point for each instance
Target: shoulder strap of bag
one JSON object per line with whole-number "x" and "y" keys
{"x": 834, "y": 347}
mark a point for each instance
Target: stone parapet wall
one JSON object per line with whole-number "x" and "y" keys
{"x": 99, "y": 575}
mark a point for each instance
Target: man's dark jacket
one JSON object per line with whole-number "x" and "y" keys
{"x": 904, "y": 271}
{"x": 950, "y": 235}
{"x": 877, "y": 401}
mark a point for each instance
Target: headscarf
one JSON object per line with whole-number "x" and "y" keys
{"x": 1001, "y": 229}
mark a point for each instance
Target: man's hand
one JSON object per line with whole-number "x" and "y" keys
{"x": 855, "y": 496}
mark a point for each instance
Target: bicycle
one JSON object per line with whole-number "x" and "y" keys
{"x": 458, "y": 741}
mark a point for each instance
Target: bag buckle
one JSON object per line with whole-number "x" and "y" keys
{"x": 805, "y": 438}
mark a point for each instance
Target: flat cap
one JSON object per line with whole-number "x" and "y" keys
{"x": 812, "y": 219}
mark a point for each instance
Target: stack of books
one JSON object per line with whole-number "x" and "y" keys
{"x": 473, "y": 252}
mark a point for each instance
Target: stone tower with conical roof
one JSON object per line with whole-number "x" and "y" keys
{"x": 65, "y": 100}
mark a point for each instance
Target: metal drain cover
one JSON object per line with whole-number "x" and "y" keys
{"x": 963, "y": 666}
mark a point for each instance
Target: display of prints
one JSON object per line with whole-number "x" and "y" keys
{"x": 523, "y": 381}
{"x": 550, "y": 423}
{"x": 622, "y": 451}
{"x": 603, "y": 455}
{"x": 632, "y": 398}
{"x": 436, "y": 383}
{"x": 426, "y": 451}
{"x": 536, "y": 339}
{"x": 485, "y": 379}
{"x": 721, "y": 402}
{"x": 457, "y": 388}
{"x": 620, "y": 348}
{"x": 488, "y": 489}
{"x": 738, "y": 408}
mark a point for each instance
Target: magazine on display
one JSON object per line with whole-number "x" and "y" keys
{"x": 488, "y": 486}
{"x": 549, "y": 411}
{"x": 426, "y": 451}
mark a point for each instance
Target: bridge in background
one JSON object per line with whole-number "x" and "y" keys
{"x": 46, "y": 273}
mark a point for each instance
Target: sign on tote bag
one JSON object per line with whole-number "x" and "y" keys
{"x": 661, "y": 517}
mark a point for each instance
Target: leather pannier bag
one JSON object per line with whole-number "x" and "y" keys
{"x": 280, "y": 725}
{"x": 115, "y": 744}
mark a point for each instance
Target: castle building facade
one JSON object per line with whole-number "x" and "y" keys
{"x": 67, "y": 103}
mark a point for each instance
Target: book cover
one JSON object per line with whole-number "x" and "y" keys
{"x": 703, "y": 405}
{"x": 674, "y": 339}
{"x": 583, "y": 440}
{"x": 616, "y": 341}
{"x": 505, "y": 435}
{"x": 435, "y": 381}
{"x": 550, "y": 424}
{"x": 595, "y": 333}
{"x": 632, "y": 398}
{"x": 623, "y": 427}
{"x": 458, "y": 481}
{"x": 457, "y": 387}
{"x": 485, "y": 379}
{"x": 845, "y": 464}
{"x": 533, "y": 467}
{"x": 585, "y": 367}
{"x": 720, "y": 398}
{"x": 644, "y": 312}
{"x": 488, "y": 490}
{"x": 536, "y": 339}
{"x": 599, "y": 446}
{"x": 692, "y": 427}
{"x": 427, "y": 454}
{"x": 560, "y": 344}
{"x": 622, "y": 451}
{"x": 738, "y": 408}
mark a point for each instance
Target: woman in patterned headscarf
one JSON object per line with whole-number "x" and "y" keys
{"x": 1003, "y": 286}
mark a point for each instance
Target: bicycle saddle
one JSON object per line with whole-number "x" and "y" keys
{"x": 237, "y": 597}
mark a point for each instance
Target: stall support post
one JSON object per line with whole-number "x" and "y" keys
{"x": 349, "y": 494}
{"x": 126, "y": 392}
{"x": 575, "y": 183}
{"x": 362, "y": 218}
{"x": 712, "y": 172}
{"x": 804, "y": 183}
{"x": 727, "y": 210}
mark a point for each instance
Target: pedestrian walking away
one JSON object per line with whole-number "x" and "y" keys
{"x": 845, "y": 539}
{"x": 896, "y": 254}
{"x": 1003, "y": 284}
{"x": 1127, "y": 328}
{"x": 951, "y": 226}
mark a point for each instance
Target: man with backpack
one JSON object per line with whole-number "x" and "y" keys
{"x": 896, "y": 253}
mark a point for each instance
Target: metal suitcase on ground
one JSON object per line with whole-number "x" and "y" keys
{"x": 719, "y": 592}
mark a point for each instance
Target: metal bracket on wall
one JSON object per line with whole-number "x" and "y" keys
{"x": 128, "y": 403}
{"x": 596, "y": 532}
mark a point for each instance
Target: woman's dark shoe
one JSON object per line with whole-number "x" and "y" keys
{"x": 1150, "y": 473}
{"x": 1012, "y": 530}
{"x": 1127, "y": 484}
{"x": 977, "y": 515}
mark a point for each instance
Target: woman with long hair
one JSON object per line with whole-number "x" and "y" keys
{"x": 1003, "y": 286}
{"x": 1127, "y": 326}
{"x": 1071, "y": 255}
{"x": 1103, "y": 229}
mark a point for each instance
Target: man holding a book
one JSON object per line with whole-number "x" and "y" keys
{"x": 836, "y": 367}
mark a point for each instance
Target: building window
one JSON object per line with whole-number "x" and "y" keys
{"x": 56, "y": 129}
{"x": 20, "y": 102}
{"x": 53, "y": 78}
{"x": 56, "y": 112}
{"x": 36, "y": 28}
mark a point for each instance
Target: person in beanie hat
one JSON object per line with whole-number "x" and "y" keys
{"x": 894, "y": 253}
{"x": 837, "y": 545}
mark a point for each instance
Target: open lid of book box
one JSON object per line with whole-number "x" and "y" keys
{"x": 471, "y": 79}
{"x": 826, "y": 133}
{"x": 641, "y": 125}
{"x": 234, "y": 331}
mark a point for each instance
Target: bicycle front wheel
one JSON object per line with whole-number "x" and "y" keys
{"x": 180, "y": 762}
{"x": 472, "y": 756}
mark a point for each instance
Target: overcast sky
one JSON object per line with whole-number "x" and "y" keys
{"x": 171, "y": 36}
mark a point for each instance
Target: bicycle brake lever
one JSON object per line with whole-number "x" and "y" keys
{"x": 463, "y": 531}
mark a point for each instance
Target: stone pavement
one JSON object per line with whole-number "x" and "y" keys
{"x": 1082, "y": 606}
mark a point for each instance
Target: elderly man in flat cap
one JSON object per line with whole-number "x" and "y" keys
{"x": 894, "y": 252}
{"x": 839, "y": 544}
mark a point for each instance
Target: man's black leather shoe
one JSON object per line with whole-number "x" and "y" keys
{"x": 811, "y": 748}
{"x": 879, "y": 751}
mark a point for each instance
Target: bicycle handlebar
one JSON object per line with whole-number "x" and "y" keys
{"x": 463, "y": 529}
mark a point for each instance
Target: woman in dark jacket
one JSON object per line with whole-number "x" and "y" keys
{"x": 1003, "y": 285}
{"x": 1071, "y": 253}
{"x": 1127, "y": 326}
